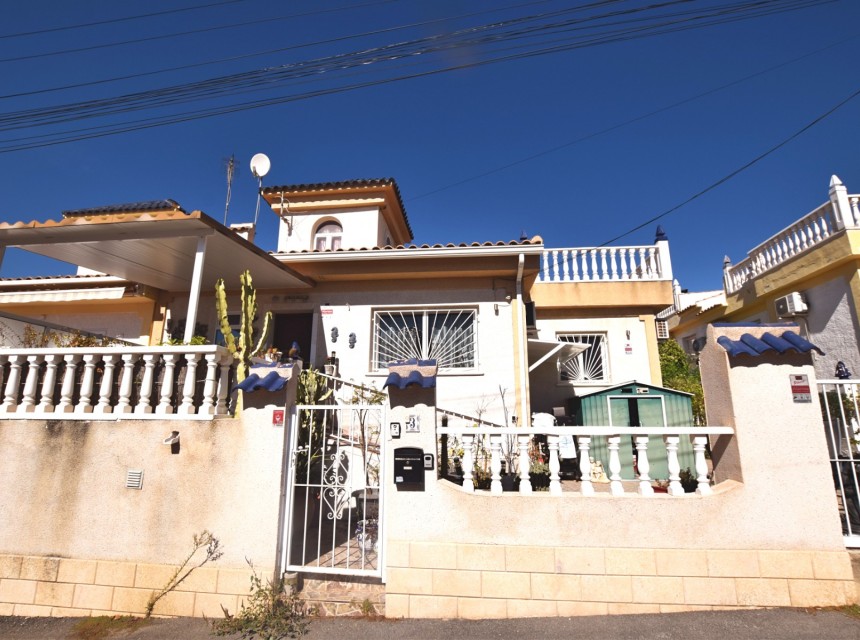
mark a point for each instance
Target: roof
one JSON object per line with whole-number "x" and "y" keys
{"x": 343, "y": 185}
{"x": 631, "y": 383}
{"x": 151, "y": 206}
{"x": 752, "y": 346}
{"x": 412, "y": 372}
{"x": 272, "y": 381}
{"x": 536, "y": 241}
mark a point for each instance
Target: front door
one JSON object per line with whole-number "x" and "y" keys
{"x": 294, "y": 327}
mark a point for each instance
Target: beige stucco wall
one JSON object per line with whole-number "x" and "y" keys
{"x": 363, "y": 227}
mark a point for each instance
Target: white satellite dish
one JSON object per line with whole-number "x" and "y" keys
{"x": 260, "y": 165}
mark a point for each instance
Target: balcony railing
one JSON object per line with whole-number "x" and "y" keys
{"x": 812, "y": 229}
{"x": 108, "y": 383}
{"x": 606, "y": 264}
{"x": 514, "y": 443}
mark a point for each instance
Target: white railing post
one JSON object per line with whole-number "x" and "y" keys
{"x": 28, "y": 402}
{"x": 555, "y": 271}
{"x": 524, "y": 462}
{"x": 675, "y": 488}
{"x": 209, "y": 387}
{"x": 67, "y": 390}
{"x": 586, "y": 488}
{"x": 615, "y": 486}
{"x": 144, "y": 403}
{"x": 496, "y": 464}
{"x": 126, "y": 386}
{"x": 642, "y": 464}
{"x": 545, "y": 274}
{"x": 565, "y": 257}
{"x": 106, "y": 387}
{"x": 604, "y": 275}
{"x": 595, "y": 274}
{"x": 87, "y": 381}
{"x": 49, "y": 383}
{"x": 704, "y": 488}
{"x": 574, "y": 264}
{"x": 855, "y": 210}
{"x": 10, "y": 401}
{"x": 164, "y": 406}
{"x": 468, "y": 463}
{"x": 187, "y": 406}
{"x": 554, "y": 465}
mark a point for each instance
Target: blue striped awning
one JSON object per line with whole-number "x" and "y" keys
{"x": 752, "y": 346}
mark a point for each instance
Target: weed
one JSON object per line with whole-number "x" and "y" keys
{"x": 99, "y": 627}
{"x": 852, "y": 610}
{"x": 270, "y": 614}
{"x": 212, "y": 552}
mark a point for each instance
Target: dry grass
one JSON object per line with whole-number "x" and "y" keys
{"x": 99, "y": 627}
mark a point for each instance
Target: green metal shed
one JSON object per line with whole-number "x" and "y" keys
{"x": 637, "y": 404}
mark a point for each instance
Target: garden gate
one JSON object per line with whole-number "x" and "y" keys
{"x": 335, "y": 490}
{"x": 839, "y": 408}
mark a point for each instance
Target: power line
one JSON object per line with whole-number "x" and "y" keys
{"x": 737, "y": 171}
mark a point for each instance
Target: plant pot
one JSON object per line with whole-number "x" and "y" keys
{"x": 509, "y": 482}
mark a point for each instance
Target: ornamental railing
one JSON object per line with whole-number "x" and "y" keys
{"x": 109, "y": 383}
{"x": 606, "y": 264}
{"x": 516, "y": 447}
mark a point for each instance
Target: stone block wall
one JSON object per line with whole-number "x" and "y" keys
{"x": 45, "y": 586}
{"x": 451, "y": 580}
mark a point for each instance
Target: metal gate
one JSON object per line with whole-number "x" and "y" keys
{"x": 334, "y": 490}
{"x": 839, "y": 408}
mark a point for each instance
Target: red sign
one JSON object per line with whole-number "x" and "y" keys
{"x": 278, "y": 418}
{"x": 800, "y": 391}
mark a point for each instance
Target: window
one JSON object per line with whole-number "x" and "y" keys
{"x": 328, "y": 237}
{"x": 588, "y": 366}
{"x": 446, "y": 335}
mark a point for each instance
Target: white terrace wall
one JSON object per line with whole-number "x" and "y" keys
{"x": 772, "y": 539}
{"x": 75, "y": 541}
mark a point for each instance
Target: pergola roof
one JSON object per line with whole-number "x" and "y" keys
{"x": 157, "y": 249}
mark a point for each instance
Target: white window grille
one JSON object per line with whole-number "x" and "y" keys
{"x": 588, "y": 366}
{"x": 446, "y": 335}
{"x": 662, "y": 330}
{"x": 328, "y": 237}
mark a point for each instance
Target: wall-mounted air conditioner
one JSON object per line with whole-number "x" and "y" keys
{"x": 791, "y": 305}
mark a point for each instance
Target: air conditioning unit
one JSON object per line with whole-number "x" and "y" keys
{"x": 790, "y": 305}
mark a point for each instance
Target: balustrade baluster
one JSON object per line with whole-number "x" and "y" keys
{"x": 565, "y": 257}
{"x": 804, "y": 241}
{"x": 144, "y": 403}
{"x": 855, "y": 211}
{"x": 106, "y": 387}
{"x": 545, "y": 258}
{"x": 615, "y": 486}
{"x": 495, "y": 464}
{"x": 28, "y": 402}
{"x": 10, "y": 401}
{"x": 165, "y": 406}
{"x": 623, "y": 259}
{"x": 816, "y": 230}
{"x": 123, "y": 405}
{"x": 187, "y": 406}
{"x": 642, "y": 464}
{"x": 67, "y": 390}
{"x": 613, "y": 266}
{"x": 642, "y": 266}
{"x": 595, "y": 275}
{"x": 586, "y": 487}
{"x": 554, "y": 465}
{"x": 3, "y": 360}
{"x": 87, "y": 381}
{"x": 224, "y": 383}
{"x": 653, "y": 271}
{"x": 789, "y": 240}
{"x": 675, "y": 488}
{"x": 209, "y": 387}
{"x": 49, "y": 383}
{"x": 604, "y": 271}
{"x": 468, "y": 462}
{"x": 574, "y": 265}
{"x": 555, "y": 272}
{"x": 524, "y": 461}
{"x": 699, "y": 443}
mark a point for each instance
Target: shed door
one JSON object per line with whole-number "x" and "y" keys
{"x": 640, "y": 412}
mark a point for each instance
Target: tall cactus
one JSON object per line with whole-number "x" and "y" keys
{"x": 246, "y": 347}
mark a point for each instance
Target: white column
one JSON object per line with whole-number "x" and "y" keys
{"x": 106, "y": 387}
{"x": 675, "y": 488}
{"x": 125, "y": 386}
{"x": 642, "y": 464}
{"x": 10, "y": 401}
{"x": 67, "y": 391}
{"x": 524, "y": 462}
{"x": 209, "y": 388}
{"x": 28, "y": 402}
{"x": 164, "y": 405}
{"x": 554, "y": 466}
{"x": 615, "y": 486}
{"x": 468, "y": 463}
{"x": 87, "y": 380}
{"x": 187, "y": 406}
{"x": 496, "y": 464}
{"x": 704, "y": 488}
{"x": 143, "y": 400}
{"x": 194, "y": 294}
{"x": 49, "y": 382}
{"x": 586, "y": 488}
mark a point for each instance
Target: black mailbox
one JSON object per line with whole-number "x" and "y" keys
{"x": 409, "y": 468}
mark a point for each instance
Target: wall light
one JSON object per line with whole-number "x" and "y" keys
{"x": 352, "y": 341}
{"x": 173, "y": 441}
{"x": 334, "y": 334}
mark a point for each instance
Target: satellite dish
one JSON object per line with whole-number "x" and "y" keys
{"x": 260, "y": 165}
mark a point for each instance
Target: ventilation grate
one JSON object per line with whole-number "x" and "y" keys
{"x": 134, "y": 479}
{"x": 662, "y": 330}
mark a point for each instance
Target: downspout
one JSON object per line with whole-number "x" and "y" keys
{"x": 521, "y": 322}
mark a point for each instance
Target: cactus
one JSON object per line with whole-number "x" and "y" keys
{"x": 245, "y": 347}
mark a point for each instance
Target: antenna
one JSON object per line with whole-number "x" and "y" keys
{"x": 260, "y": 166}
{"x": 231, "y": 169}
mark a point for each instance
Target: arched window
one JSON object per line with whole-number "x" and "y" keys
{"x": 328, "y": 237}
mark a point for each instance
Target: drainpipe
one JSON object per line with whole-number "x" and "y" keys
{"x": 524, "y": 362}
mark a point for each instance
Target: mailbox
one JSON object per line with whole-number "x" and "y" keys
{"x": 409, "y": 468}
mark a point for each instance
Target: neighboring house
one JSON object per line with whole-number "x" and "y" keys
{"x": 808, "y": 273}
{"x": 516, "y": 327}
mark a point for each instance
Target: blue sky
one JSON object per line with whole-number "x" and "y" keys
{"x": 543, "y": 144}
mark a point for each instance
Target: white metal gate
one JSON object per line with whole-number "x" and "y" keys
{"x": 334, "y": 490}
{"x": 839, "y": 408}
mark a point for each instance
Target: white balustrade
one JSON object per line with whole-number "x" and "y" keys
{"x": 609, "y": 264}
{"x": 108, "y": 383}
{"x": 515, "y": 442}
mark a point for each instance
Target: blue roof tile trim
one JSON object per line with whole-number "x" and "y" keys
{"x": 272, "y": 382}
{"x": 414, "y": 377}
{"x": 752, "y": 346}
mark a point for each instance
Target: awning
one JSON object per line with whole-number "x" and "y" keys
{"x": 62, "y": 295}
{"x": 542, "y": 350}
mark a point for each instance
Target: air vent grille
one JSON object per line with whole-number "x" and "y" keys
{"x": 134, "y": 479}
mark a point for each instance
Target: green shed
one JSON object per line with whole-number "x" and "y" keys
{"x": 637, "y": 404}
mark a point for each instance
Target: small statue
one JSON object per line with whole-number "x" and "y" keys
{"x": 294, "y": 353}
{"x": 598, "y": 474}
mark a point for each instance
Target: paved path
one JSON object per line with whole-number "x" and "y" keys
{"x": 766, "y": 624}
